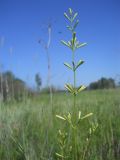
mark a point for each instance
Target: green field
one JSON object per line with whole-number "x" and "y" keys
{"x": 29, "y": 130}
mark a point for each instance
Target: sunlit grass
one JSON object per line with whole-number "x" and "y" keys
{"x": 28, "y": 130}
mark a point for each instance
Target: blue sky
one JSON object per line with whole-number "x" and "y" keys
{"x": 23, "y": 23}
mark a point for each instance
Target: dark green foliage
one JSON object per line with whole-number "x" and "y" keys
{"x": 38, "y": 81}
{"x": 103, "y": 83}
{"x": 11, "y": 88}
{"x": 19, "y": 89}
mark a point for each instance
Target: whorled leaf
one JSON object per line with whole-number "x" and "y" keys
{"x": 87, "y": 115}
{"x": 70, "y": 11}
{"x": 73, "y": 41}
{"x": 84, "y": 117}
{"x": 69, "y": 27}
{"x": 69, "y": 88}
{"x": 65, "y": 14}
{"x": 81, "y": 45}
{"x": 79, "y": 115}
{"x": 75, "y": 15}
{"x": 74, "y": 38}
{"x": 60, "y": 117}
{"x": 75, "y": 25}
{"x": 68, "y": 65}
{"x": 65, "y": 43}
{"x": 79, "y": 63}
{"x": 80, "y": 88}
{"x": 59, "y": 155}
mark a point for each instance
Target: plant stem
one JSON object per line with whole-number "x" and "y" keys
{"x": 86, "y": 149}
{"x": 74, "y": 107}
{"x": 74, "y": 88}
{"x": 49, "y": 76}
{"x": 74, "y": 77}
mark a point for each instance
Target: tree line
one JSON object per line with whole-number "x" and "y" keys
{"x": 103, "y": 83}
{"x": 13, "y": 88}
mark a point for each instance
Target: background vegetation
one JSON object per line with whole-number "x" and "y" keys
{"x": 28, "y": 130}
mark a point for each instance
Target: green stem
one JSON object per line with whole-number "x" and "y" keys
{"x": 74, "y": 88}
{"x": 74, "y": 76}
{"x": 74, "y": 107}
{"x": 86, "y": 149}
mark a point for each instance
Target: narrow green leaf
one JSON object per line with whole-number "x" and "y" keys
{"x": 75, "y": 15}
{"x": 67, "y": 17}
{"x": 79, "y": 63}
{"x": 67, "y": 65}
{"x": 79, "y": 115}
{"x": 69, "y": 28}
{"x": 90, "y": 131}
{"x": 73, "y": 41}
{"x": 59, "y": 155}
{"x": 60, "y": 117}
{"x": 81, "y": 45}
{"x": 65, "y": 43}
{"x": 74, "y": 37}
{"x": 69, "y": 116}
{"x": 70, "y": 11}
{"x": 81, "y": 88}
{"x": 69, "y": 43}
{"x": 75, "y": 25}
{"x": 69, "y": 88}
{"x": 87, "y": 115}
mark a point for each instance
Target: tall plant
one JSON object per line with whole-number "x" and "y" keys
{"x": 46, "y": 46}
{"x": 69, "y": 150}
{"x": 2, "y": 39}
{"x": 73, "y": 45}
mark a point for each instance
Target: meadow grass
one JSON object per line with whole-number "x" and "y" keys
{"x": 28, "y": 130}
